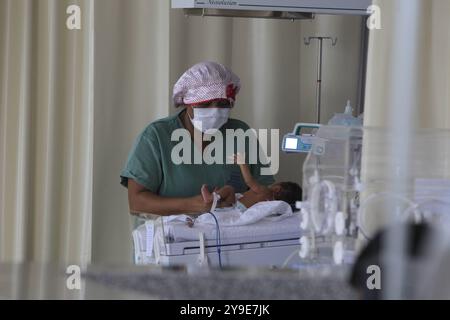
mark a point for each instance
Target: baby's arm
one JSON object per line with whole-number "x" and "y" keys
{"x": 227, "y": 196}
{"x": 251, "y": 182}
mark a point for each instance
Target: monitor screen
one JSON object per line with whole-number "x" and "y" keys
{"x": 291, "y": 143}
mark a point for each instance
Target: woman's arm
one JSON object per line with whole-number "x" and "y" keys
{"x": 142, "y": 201}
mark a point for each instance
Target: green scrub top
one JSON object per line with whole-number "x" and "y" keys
{"x": 149, "y": 163}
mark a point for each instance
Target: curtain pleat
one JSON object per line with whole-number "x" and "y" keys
{"x": 47, "y": 133}
{"x": 429, "y": 42}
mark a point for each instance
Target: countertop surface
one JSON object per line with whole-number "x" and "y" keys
{"x": 36, "y": 281}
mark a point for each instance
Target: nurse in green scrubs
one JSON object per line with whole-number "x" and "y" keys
{"x": 205, "y": 95}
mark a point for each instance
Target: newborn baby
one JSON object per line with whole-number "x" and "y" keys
{"x": 289, "y": 192}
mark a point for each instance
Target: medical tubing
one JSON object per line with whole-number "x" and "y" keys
{"x": 218, "y": 241}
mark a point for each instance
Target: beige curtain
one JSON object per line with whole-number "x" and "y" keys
{"x": 131, "y": 90}
{"x": 46, "y": 132}
{"x": 430, "y": 42}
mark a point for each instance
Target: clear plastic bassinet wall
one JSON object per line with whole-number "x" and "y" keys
{"x": 331, "y": 188}
{"x": 360, "y": 184}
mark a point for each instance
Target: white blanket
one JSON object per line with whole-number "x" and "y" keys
{"x": 230, "y": 217}
{"x": 179, "y": 231}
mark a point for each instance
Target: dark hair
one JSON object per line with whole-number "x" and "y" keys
{"x": 290, "y": 192}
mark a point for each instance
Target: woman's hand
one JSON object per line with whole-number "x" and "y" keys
{"x": 200, "y": 205}
{"x": 226, "y": 193}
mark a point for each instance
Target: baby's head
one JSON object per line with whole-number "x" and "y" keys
{"x": 289, "y": 192}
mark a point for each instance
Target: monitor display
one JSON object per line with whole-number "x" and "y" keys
{"x": 291, "y": 143}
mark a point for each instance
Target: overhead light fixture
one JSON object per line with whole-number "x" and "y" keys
{"x": 248, "y": 14}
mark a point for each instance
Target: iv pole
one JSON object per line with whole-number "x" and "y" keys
{"x": 319, "y": 69}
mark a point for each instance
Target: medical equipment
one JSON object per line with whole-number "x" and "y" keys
{"x": 346, "y": 118}
{"x": 331, "y": 186}
{"x": 298, "y": 142}
{"x": 400, "y": 191}
{"x": 265, "y": 235}
{"x": 343, "y": 206}
{"x": 425, "y": 196}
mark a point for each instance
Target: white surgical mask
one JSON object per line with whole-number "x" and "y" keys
{"x": 209, "y": 120}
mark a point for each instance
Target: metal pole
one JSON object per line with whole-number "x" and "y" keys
{"x": 363, "y": 56}
{"x": 319, "y": 70}
{"x": 319, "y": 80}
